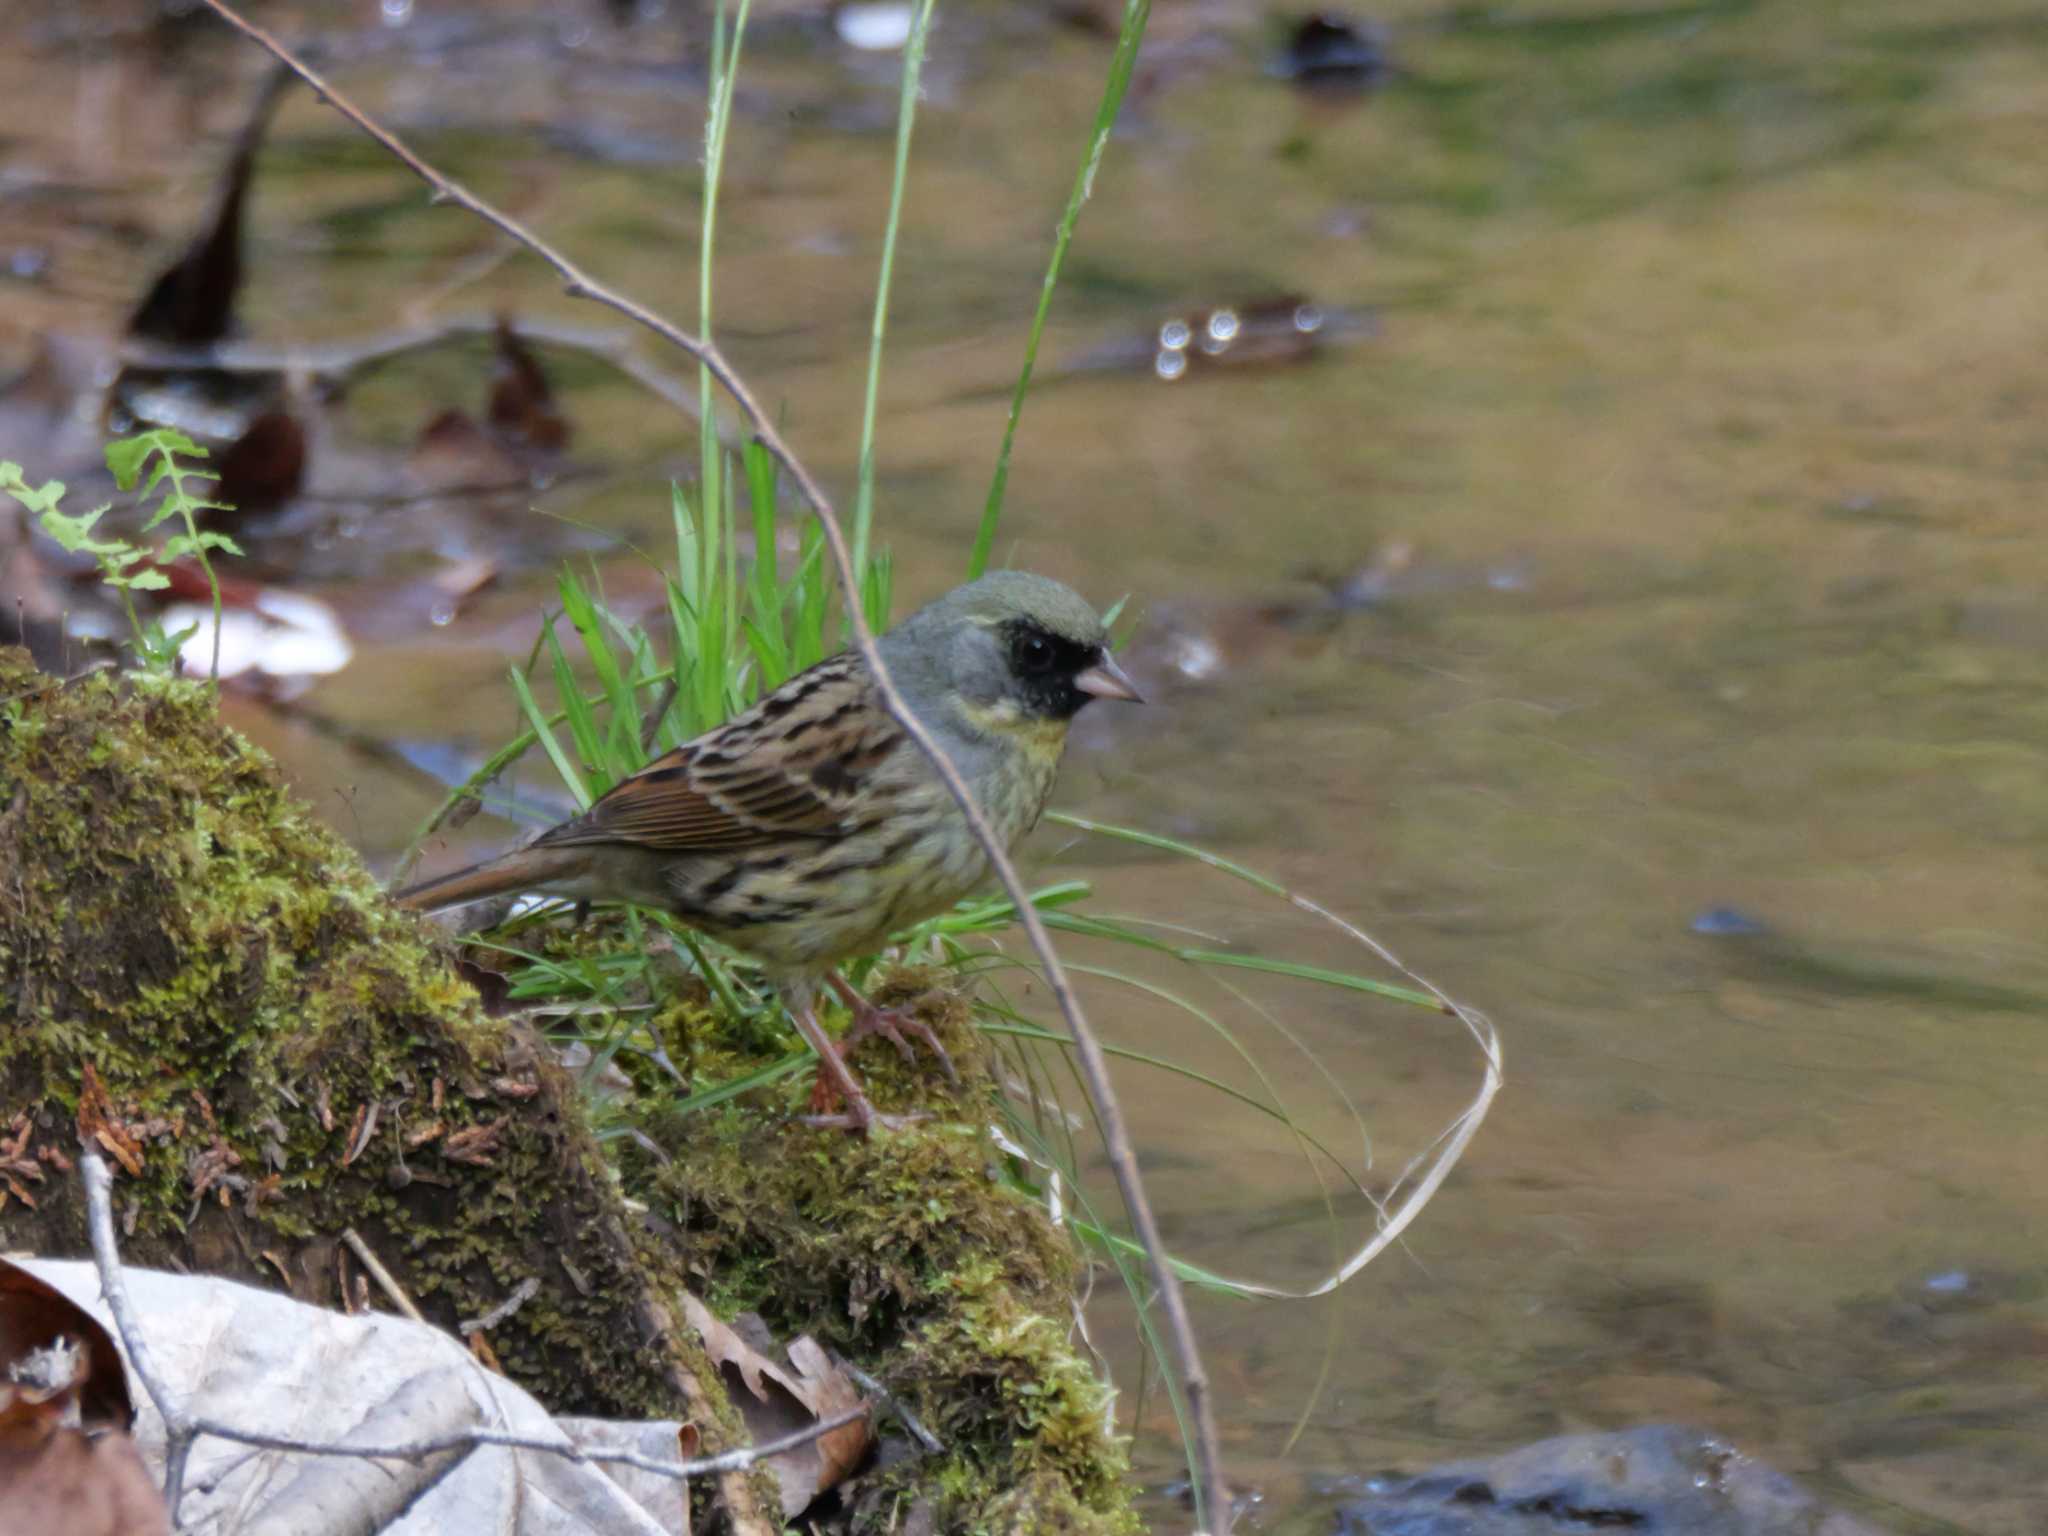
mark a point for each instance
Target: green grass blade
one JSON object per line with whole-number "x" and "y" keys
{"x": 1166, "y": 844}
{"x": 1194, "y": 1274}
{"x": 1315, "y": 973}
{"x": 725, "y": 65}
{"x": 775, "y": 1072}
{"x": 906, "y": 115}
{"x": 1121, "y": 62}
{"x": 582, "y": 719}
{"x": 544, "y": 733}
{"x": 1021, "y": 1028}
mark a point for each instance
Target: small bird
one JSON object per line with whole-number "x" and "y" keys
{"x": 810, "y": 828}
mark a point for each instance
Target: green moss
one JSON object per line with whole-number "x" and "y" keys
{"x": 291, "y": 1058}
{"x": 284, "y": 1055}
{"x": 905, "y": 1253}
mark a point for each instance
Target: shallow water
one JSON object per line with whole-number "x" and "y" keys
{"x": 1687, "y": 423}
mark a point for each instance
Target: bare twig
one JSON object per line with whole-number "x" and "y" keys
{"x": 482, "y": 1435}
{"x": 522, "y": 1293}
{"x": 181, "y": 1429}
{"x": 385, "y": 1283}
{"x": 178, "y": 1429}
{"x": 338, "y": 360}
{"x": 1088, "y": 1050}
{"x": 932, "y": 1443}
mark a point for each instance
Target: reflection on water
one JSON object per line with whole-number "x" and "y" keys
{"x": 1716, "y": 323}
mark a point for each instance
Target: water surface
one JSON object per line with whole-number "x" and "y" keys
{"x": 1688, "y": 425}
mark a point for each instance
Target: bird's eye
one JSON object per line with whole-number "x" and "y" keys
{"x": 1033, "y": 654}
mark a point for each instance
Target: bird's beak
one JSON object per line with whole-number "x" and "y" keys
{"x": 1107, "y": 680}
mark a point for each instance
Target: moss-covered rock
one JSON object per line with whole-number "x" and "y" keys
{"x": 195, "y": 969}
{"x": 276, "y": 1057}
{"x": 907, "y": 1254}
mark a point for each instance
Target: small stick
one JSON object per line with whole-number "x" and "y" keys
{"x": 522, "y": 1293}
{"x": 924, "y": 1437}
{"x": 460, "y": 1439}
{"x": 385, "y": 1282}
{"x": 179, "y": 1431}
{"x": 328, "y": 361}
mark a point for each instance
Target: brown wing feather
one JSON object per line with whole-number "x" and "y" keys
{"x": 791, "y": 766}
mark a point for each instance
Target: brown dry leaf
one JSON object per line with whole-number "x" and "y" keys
{"x": 523, "y": 407}
{"x": 211, "y": 1167}
{"x": 778, "y": 1401}
{"x": 192, "y": 301}
{"x": 265, "y": 466}
{"x": 61, "y": 1481}
{"x": 34, "y": 1316}
{"x": 455, "y": 453}
{"x": 97, "y": 1122}
{"x": 476, "y": 1145}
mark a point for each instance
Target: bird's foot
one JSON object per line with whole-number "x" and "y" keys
{"x": 892, "y": 1024}
{"x": 862, "y": 1120}
{"x": 837, "y": 1103}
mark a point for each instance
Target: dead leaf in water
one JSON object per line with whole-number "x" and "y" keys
{"x": 265, "y": 466}
{"x": 523, "y": 405}
{"x": 192, "y": 302}
{"x": 777, "y": 1401}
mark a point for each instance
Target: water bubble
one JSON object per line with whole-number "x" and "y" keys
{"x": 1307, "y": 319}
{"x": 1170, "y": 364}
{"x": 442, "y": 614}
{"x": 396, "y": 13}
{"x": 874, "y": 28}
{"x": 1197, "y": 657}
{"x": 1223, "y": 326}
{"x": 1174, "y": 335}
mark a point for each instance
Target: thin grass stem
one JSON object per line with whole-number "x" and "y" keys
{"x": 906, "y": 116}
{"x": 1121, "y": 62}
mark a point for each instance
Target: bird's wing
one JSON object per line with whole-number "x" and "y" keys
{"x": 794, "y": 765}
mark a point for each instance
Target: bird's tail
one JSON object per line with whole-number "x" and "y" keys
{"x": 526, "y": 869}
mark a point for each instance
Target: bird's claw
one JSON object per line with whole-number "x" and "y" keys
{"x": 892, "y": 1024}
{"x": 863, "y": 1120}
{"x": 843, "y": 1106}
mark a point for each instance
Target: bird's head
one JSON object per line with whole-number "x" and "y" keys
{"x": 1011, "y": 652}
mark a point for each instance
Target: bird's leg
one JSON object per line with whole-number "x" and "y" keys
{"x": 836, "y": 1083}
{"x": 890, "y": 1023}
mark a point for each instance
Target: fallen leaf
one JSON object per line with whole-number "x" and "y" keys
{"x": 476, "y": 1144}
{"x": 66, "y": 1482}
{"x": 266, "y": 465}
{"x": 34, "y": 1316}
{"x": 778, "y": 1401}
{"x": 523, "y": 408}
{"x": 96, "y": 1122}
{"x": 455, "y": 453}
{"x": 192, "y": 301}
